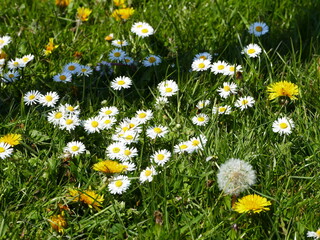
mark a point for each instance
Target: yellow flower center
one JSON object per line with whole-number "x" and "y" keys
{"x": 183, "y": 146}
{"x": 11, "y": 75}
{"x": 131, "y": 125}
{"x": 117, "y": 54}
{"x": 157, "y": 130}
{"x": 203, "y": 57}
{"x": 63, "y": 77}
{"x": 125, "y": 128}
{"x": 201, "y": 119}
{"x": 121, "y": 82}
{"x": 83, "y": 70}
{"x": 127, "y": 152}
{"x": 251, "y": 51}
{"x": 142, "y": 115}
{"x": 144, "y": 30}
{"x": 148, "y": 173}
{"x": 244, "y": 101}
{"x": 25, "y": 59}
{"x": 108, "y": 112}
{"x": 127, "y": 60}
{"x": 58, "y": 115}
{"x": 71, "y": 68}
{"x": 69, "y": 121}
{"x": 168, "y": 89}
{"x": 201, "y": 65}
{"x": 258, "y": 28}
{"x": 195, "y": 142}
{"x": 160, "y": 157}
{"x": 283, "y": 125}
{"x": 222, "y": 109}
{"x": 129, "y": 137}
{"x": 118, "y": 183}
{"x": 16, "y": 63}
{"x": 2, "y": 150}
{"x": 74, "y": 148}
{"x": 1, "y": 41}
{"x": 152, "y": 59}
{"x": 220, "y": 67}
{"x": 70, "y": 108}
{"x": 226, "y": 88}
{"x": 116, "y": 150}
{"x": 49, "y": 98}
{"x": 231, "y": 69}
{"x": 108, "y": 121}
{"x": 94, "y": 124}
{"x": 31, "y": 97}
{"x": 318, "y": 233}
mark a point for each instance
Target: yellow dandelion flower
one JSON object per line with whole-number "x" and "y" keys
{"x": 109, "y": 37}
{"x": 252, "y": 204}
{"x": 63, "y": 3}
{"x": 119, "y": 3}
{"x": 83, "y": 13}
{"x": 109, "y": 166}
{"x": 89, "y": 197}
{"x": 11, "y": 139}
{"x": 58, "y": 222}
{"x": 50, "y": 47}
{"x": 3, "y": 54}
{"x": 283, "y": 88}
{"x": 123, "y": 13}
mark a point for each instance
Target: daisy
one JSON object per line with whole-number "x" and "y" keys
{"x": 244, "y": 102}
{"x": 283, "y": 126}
{"x": 252, "y": 50}
{"x": 75, "y": 148}
{"x": 119, "y": 43}
{"x": 69, "y": 123}
{"x": 151, "y": 60}
{"x": 27, "y": 58}
{"x": 200, "y": 119}
{"x": 129, "y": 166}
{"x": 230, "y": 70}
{"x": 258, "y": 29}
{"x": 252, "y": 204}
{"x": 128, "y": 60}
{"x": 161, "y": 101}
{"x": 129, "y": 124}
{"x": 5, "y": 150}
{"x": 200, "y": 65}
{"x": 120, "y": 83}
{"x": 203, "y": 103}
{"x": 72, "y": 68}
{"x": 157, "y": 131}
{"x": 315, "y": 235}
{"x": 117, "y": 55}
{"x": 63, "y": 77}
{"x": 204, "y": 56}
{"x": 142, "y": 29}
{"x": 84, "y": 71}
{"x": 115, "y": 150}
{"x": 108, "y": 111}
{"x": 147, "y": 174}
{"x": 49, "y": 99}
{"x": 14, "y": 64}
{"x": 119, "y": 184}
{"x": 5, "y": 40}
{"x": 93, "y": 124}
{"x": 235, "y": 176}
{"x": 182, "y": 147}
{"x": 55, "y": 117}
{"x": 168, "y": 88}
{"x": 108, "y": 122}
{"x": 197, "y": 143}
{"x": 10, "y": 76}
{"x": 227, "y": 89}
{"x": 128, "y": 153}
{"x": 283, "y": 89}
{"x": 128, "y": 137}
{"x": 219, "y": 67}
{"x": 73, "y": 110}
{"x": 144, "y": 115}
{"x": 31, "y": 97}
{"x": 161, "y": 157}
{"x": 222, "y": 110}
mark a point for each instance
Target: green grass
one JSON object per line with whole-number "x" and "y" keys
{"x": 184, "y": 196}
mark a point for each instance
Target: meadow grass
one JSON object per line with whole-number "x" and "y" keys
{"x": 183, "y": 201}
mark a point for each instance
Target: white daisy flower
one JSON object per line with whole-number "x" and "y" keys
{"x": 120, "y": 83}
{"x": 227, "y": 89}
{"x": 151, "y": 60}
{"x": 143, "y": 116}
{"x": 16, "y": 64}
{"x": 244, "y": 102}
{"x": 108, "y": 111}
{"x": 129, "y": 166}
{"x": 128, "y": 60}
{"x": 115, "y": 150}
{"x": 203, "y": 103}
{"x": 49, "y": 99}
{"x": 230, "y": 70}
{"x": 27, "y": 58}
{"x": 197, "y": 143}
{"x": 75, "y": 148}
{"x": 108, "y": 122}
{"x": 31, "y": 97}
{"x": 200, "y": 119}
{"x": 219, "y": 67}
{"x": 119, "y": 43}
{"x": 258, "y": 29}
{"x": 69, "y": 123}
{"x": 63, "y": 77}
{"x": 128, "y": 153}
{"x": 117, "y": 55}
{"x": 252, "y": 50}
{"x": 55, "y": 117}
{"x": 182, "y": 147}
{"x": 93, "y": 124}
{"x": 72, "y": 68}
{"x": 5, "y": 150}
{"x": 283, "y": 126}
{"x": 142, "y": 29}
{"x": 157, "y": 131}
{"x": 10, "y": 76}
{"x": 119, "y": 184}
{"x": 128, "y": 137}
{"x": 204, "y": 56}
{"x": 161, "y": 157}
{"x": 5, "y": 40}
{"x": 161, "y": 101}
{"x": 147, "y": 174}
{"x": 200, "y": 65}
{"x": 315, "y": 235}
{"x": 130, "y": 124}
{"x": 73, "y": 110}
{"x": 84, "y": 71}
{"x": 168, "y": 88}
{"x": 222, "y": 110}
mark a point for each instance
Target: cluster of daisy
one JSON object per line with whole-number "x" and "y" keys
{"x": 14, "y": 64}
{"x": 72, "y": 69}
{"x": 7, "y": 143}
